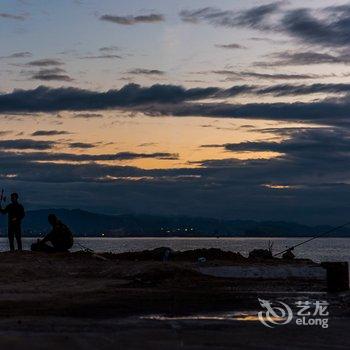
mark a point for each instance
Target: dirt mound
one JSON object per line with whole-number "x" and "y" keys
{"x": 260, "y": 254}
{"x": 167, "y": 254}
{"x": 208, "y": 254}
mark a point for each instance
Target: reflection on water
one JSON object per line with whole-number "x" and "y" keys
{"x": 242, "y": 316}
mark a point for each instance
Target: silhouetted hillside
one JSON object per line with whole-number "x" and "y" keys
{"x": 92, "y": 224}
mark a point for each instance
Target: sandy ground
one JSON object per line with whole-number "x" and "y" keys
{"x": 77, "y": 301}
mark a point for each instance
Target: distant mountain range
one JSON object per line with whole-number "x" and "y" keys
{"x": 84, "y": 223}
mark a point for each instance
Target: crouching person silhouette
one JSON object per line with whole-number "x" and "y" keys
{"x": 60, "y": 237}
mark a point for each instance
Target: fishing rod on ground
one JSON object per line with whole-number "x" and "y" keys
{"x": 91, "y": 251}
{"x": 312, "y": 238}
{"x": 85, "y": 248}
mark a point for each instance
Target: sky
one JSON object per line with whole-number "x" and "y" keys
{"x": 226, "y": 109}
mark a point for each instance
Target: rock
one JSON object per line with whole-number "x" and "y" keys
{"x": 260, "y": 254}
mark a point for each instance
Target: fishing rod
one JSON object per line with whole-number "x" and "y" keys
{"x": 1, "y": 197}
{"x": 91, "y": 251}
{"x": 312, "y": 238}
{"x": 85, "y": 248}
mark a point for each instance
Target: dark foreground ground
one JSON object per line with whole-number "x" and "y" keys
{"x": 78, "y": 301}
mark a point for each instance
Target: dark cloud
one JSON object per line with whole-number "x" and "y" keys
{"x": 147, "y": 144}
{"x": 330, "y": 28}
{"x": 109, "y": 48}
{"x": 256, "y": 17}
{"x": 52, "y": 74}
{"x": 42, "y": 167}
{"x": 233, "y": 91}
{"x": 142, "y": 71}
{"x": 304, "y": 143}
{"x": 327, "y": 27}
{"x": 303, "y": 165}
{"x": 213, "y": 145}
{"x": 45, "y": 62}
{"x": 175, "y": 100}
{"x": 267, "y": 76}
{"x": 293, "y": 90}
{"x": 268, "y": 40}
{"x": 49, "y": 133}
{"x": 290, "y": 58}
{"x": 103, "y": 57}
{"x": 157, "y": 155}
{"x": 131, "y": 20}
{"x": 332, "y": 112}
{"x": 23, "y": 54}
{"x": 230, "y": 46}
{"x": 88, "y": 115}
{"x": 51, "y": 99}
{"x": 12, "y": 16}
{"x": 84, "y": 145}
{"x": 70, "y": 157}
{"x": 23, "y": 144}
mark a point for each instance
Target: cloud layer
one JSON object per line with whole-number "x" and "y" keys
{"x": 298, "y": 184}
{"x": 324, "y": 27}
{"x": 132, "y": 20}
{"x": 178, "y": 101}
{"x": 51, "y": 99}
{"x": 12, "y": 16}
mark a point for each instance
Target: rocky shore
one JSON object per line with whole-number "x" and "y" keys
{"x": 84, "y": 296}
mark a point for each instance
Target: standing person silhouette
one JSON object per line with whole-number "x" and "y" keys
{"x": 15, "y": 212}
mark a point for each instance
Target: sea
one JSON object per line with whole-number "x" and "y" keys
{"x": 319, "y": 250}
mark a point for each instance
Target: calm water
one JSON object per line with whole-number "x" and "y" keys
{"x": 325, "y": 249}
